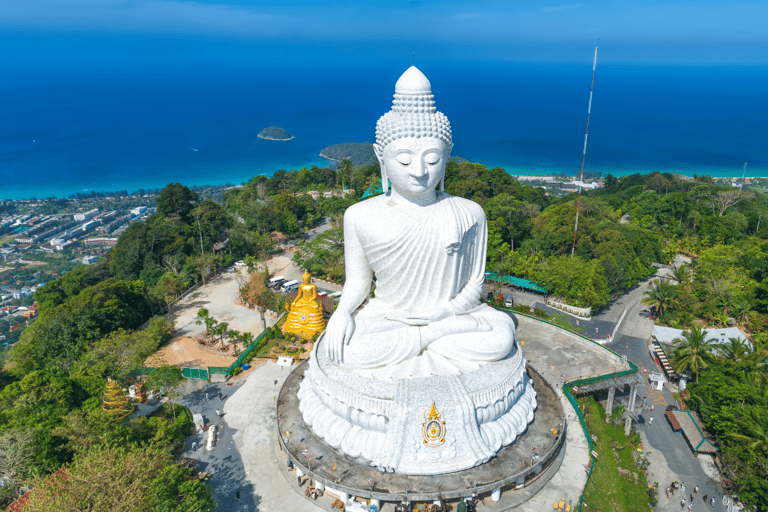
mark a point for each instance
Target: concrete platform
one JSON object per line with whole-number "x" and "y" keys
{"x": 515, "y": 465}
{"x": 251, "y": 413}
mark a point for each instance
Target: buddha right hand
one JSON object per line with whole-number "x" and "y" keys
{"x": 338, "y": 333}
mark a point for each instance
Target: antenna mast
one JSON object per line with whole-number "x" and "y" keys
{"x": 584, "y": 154}
{"x": 743, "y": 176}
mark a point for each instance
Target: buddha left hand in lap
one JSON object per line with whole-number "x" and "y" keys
{"x": 427, "y": 251}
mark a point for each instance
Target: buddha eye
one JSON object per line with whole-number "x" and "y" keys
{"x": 404, "y": 158}
{"x": 432, "y": 158}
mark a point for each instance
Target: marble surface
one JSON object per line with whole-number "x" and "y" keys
{"x": 421, "y": 340}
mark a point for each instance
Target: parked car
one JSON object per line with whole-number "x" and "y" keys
{"x": 322, "y": 294}
{"x": 230, "y": 269}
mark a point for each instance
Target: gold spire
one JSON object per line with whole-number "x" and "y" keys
{"x": 433, "y": 412}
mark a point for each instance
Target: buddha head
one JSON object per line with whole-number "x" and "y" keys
{"x": 413, "y": 140}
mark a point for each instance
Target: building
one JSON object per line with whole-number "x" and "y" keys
{"x": 87, "y": 215}
{"x": 138, "y": 210}
{"x": 109, "y": 242}
{"x": 90, "y": 260}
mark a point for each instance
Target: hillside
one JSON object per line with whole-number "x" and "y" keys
{"x": 275, "y": 133}
{"x": 361, "y": 153}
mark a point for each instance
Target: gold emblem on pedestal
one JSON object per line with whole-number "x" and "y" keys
{"x": 433, "y": 427}
{"x": 305, "y": 314}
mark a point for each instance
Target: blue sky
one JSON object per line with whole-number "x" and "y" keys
{"x": 635, "y": 31}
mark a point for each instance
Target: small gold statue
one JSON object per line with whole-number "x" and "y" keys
{"x": 305, "y": 314}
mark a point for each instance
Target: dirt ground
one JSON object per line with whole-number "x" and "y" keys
{"x": 219, "y": 297}
{"x": 185, "y": 351}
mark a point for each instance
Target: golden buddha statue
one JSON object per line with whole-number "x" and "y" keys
{"x": 305, "y": 314}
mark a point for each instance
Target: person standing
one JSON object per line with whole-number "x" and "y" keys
{"x": 221, "y": 397}
{"x": 207, "y": 396}
{"x": 218, "y": 413}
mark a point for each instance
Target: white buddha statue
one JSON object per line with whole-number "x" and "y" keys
{"x": 427, "y": 250}
{"x": 422, "y": 378}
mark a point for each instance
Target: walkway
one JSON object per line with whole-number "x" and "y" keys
{"x": 246, "y": 458}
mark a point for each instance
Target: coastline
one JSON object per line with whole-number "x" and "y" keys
{"x": 321, "y": 155}
{"x": 242, "y": 172}
{"x": 272, "y": 138}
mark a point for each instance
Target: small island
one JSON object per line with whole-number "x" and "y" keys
{"x": 275, "y": 133}
{"x": 361, "y": 153}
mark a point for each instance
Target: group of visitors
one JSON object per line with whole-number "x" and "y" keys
{"x": 675, "y": 485}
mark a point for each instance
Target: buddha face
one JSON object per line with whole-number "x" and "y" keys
{"x": 415, "y": 166}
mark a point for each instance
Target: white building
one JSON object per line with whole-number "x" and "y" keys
{"x": 87, "y": 215}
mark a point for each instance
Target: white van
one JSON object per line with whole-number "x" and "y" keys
{"x": 275, "y": 281}
{"x": 335, "y": 295}
{"x": 290, "y": 286}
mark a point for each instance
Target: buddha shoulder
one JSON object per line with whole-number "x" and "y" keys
{"x": 364, "y": 210}
{"x": 472, "y": 207}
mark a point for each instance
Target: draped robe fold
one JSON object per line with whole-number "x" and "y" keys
{"x": 438, "y": 259}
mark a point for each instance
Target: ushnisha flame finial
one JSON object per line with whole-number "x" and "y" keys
{"x": 433, "y": 415}
{"x": 413, "y": 112}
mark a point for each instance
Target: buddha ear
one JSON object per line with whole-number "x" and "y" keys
{"x": 447, "y": 156}
{"x": 379, "y": 151}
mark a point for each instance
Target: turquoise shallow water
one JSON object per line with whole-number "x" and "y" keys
{"x": 79, "y": 128}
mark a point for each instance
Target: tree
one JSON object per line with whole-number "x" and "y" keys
{"x": 205, "y": 264}
{"x": 692, "y": 353}
{"x": 115, "y": 402}
{"x": 176, "y": 200}
{"x": 681, "y": 274}
{"x": 174, "y": 490}
{"x": 164, "y": 379}
{"x": 220, "y": 330}
{"x": 211, "y": 221}
{"x": 17, "y": 462}
{"x": 344, "y": 174}
{"x": 121, "y": 479}
{"x": 168, "y": 288}
{"x": 661, "y": 296}
{"x": 204, "y": 317}
{"x": 723, "y": 200}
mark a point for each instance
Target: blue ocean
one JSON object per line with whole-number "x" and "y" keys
{"x": 103, "y": 127}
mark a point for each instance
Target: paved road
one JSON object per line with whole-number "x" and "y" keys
{"x": 669, "y": 454}
{"x": 224, "y": 462}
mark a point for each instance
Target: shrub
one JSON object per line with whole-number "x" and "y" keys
{"x": 237, "y": 370}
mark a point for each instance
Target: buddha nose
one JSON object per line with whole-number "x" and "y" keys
{"x": 418, "y": 169}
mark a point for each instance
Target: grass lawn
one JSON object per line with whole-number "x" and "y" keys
{"x": 608, "y": 490}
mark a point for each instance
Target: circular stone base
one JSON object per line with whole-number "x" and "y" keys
{"x": 515, "y": 465}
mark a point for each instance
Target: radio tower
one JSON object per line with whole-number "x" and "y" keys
{"x": 584, "y": 154}
{"x": 743, "y": 176}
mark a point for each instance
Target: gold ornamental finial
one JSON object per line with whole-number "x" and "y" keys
{"x": 433, "y": 412}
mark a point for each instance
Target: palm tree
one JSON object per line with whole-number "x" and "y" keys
{"x": 662, "y": 296}
{"x": 735, "y": 350}
{"x": 753, "y": 429}
{"x": 693, "y": 352}
{"x": 681, "y": 274}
